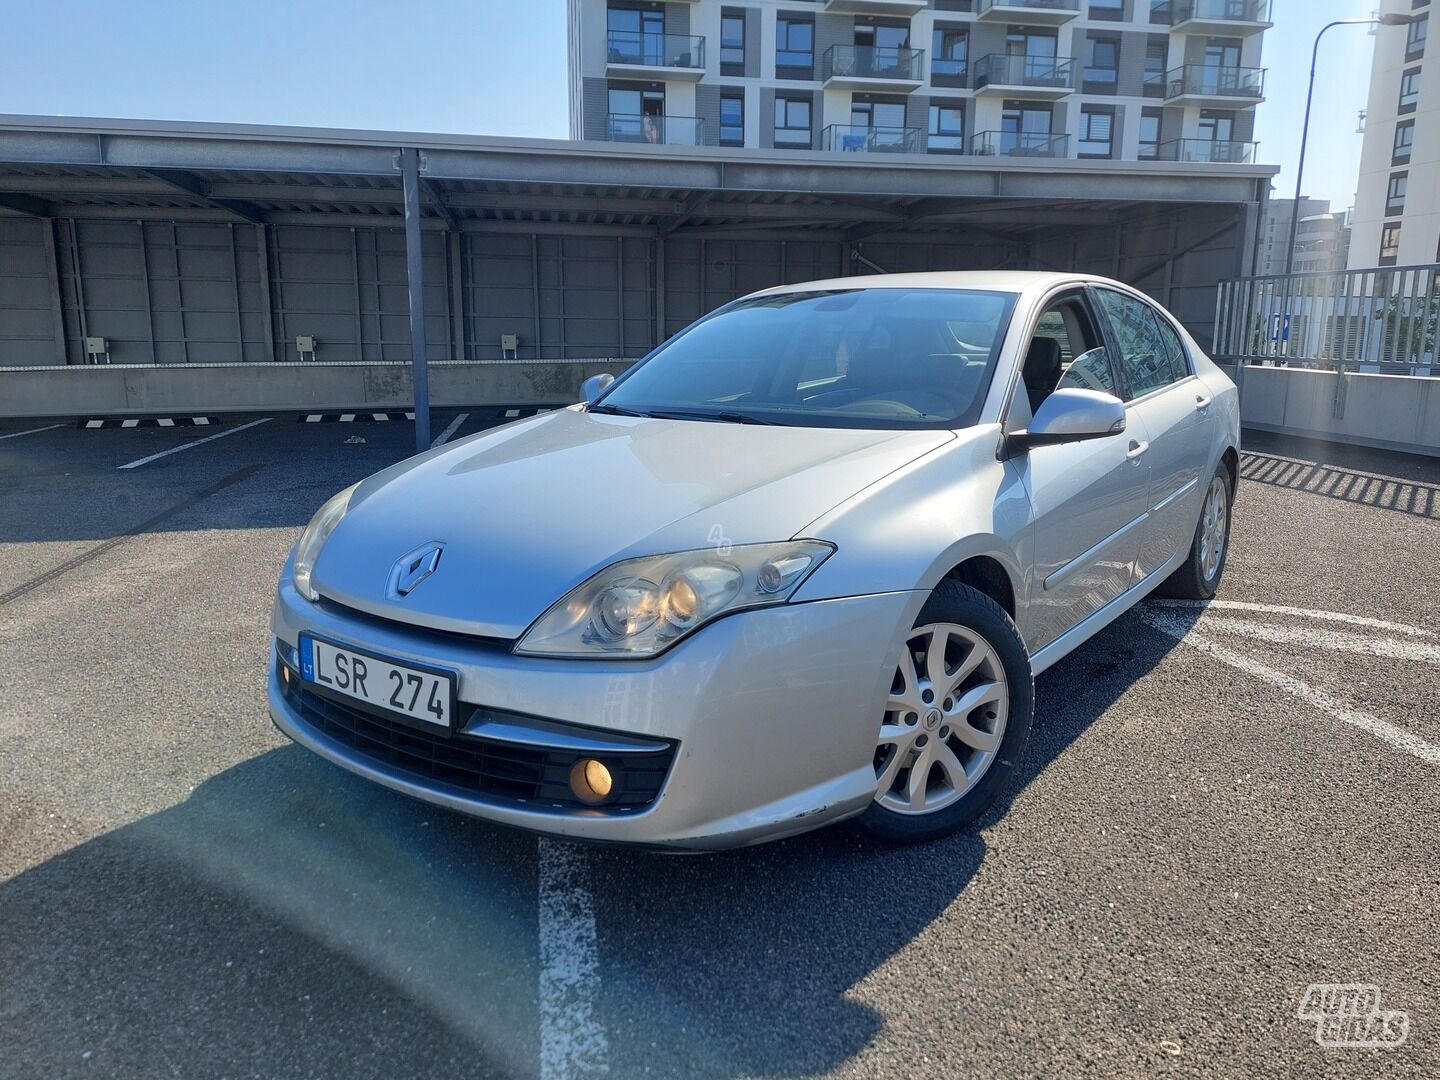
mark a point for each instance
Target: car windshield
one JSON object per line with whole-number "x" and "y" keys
{"x": 837, "y": 358}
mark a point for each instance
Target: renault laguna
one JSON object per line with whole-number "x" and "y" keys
{"x": 801, "y": 563}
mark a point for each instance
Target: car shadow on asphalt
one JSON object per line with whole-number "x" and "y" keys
{"x": 288, "y": 919}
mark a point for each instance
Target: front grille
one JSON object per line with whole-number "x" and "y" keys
{"x": 537, "y": 776}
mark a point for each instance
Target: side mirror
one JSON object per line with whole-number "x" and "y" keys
{"x": 1069, "y": 415}
{"x": 594, "y": 386}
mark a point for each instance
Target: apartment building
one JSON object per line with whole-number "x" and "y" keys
{"x": 1322, "y": 240}
{"x": 1397, "y": 202}
{"x": 1129, "y": 80}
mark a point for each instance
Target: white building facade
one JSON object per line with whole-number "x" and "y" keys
{"x": 1397, "y": 202}
{"x": 1128, "y": 80}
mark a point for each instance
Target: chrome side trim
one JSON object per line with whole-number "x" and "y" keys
{"x": 1089, "y": 553}
{"x": 1177, "y": 493}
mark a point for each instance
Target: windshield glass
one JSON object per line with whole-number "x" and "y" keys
{"x": 842, "y": 358}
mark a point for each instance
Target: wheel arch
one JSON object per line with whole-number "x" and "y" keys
{"x": 986, "y": 574}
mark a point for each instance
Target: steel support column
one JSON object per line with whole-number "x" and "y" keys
{"x": 660, "y": 289}
{"x": 415, "y": 283}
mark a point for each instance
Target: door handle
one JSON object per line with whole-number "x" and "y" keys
{"x": 1202, "y": 402}
{"x": 1137, "y": 449}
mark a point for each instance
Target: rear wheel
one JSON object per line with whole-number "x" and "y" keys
{"x": 1199, "y": 575}
{"x": 956, "y": 720}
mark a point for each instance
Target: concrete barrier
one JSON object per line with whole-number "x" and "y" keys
{"x": 1391, "y": 412}
{"x": 130, "y": 390}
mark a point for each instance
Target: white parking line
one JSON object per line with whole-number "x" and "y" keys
{"x": 1317, "y": 638}
{"x": 450, "y": 429}
{"x": 189, "y": 445}
{"x": 572, "y": 1042}
{"x": 1181, "y": 629}
{"x": 31, "y": 431}
{"x": 1279, "y": 609}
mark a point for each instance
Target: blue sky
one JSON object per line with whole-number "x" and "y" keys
{"x": 494, "y": 67}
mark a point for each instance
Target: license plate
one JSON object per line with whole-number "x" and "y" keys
{"x": 422, "y": 694}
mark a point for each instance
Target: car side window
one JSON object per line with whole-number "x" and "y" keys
{"x": 1091, "y": 371}
{"x": 1146, "y": 358}
{"x": 1177, "y": 351}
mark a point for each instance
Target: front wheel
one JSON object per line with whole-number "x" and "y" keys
{"x": 956, "y": 721}
{"x": 1198, "y": 576}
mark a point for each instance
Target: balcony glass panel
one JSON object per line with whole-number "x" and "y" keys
{"x": 655, "y": 50}
{"x": 1220, "y": 10}
{"x": 1034, "y": 5}
{"x": 657, "y": 130}
{"x": 1207, "y": 81}
{"x": 857, "y": 139}
{"x": 1020, "y": 144}
{"x": 999, "y": 69}
{"x": 1228, "y": 151}
{"x": 871, "y": 62}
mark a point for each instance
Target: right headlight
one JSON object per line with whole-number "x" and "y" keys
{"x": 312, "y": 540}
{"x": 640, "y": 607}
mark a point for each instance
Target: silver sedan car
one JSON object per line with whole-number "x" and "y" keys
{"x": 802, "y": 563}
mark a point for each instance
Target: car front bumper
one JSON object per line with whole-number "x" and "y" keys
{"x": 773, "y": 713}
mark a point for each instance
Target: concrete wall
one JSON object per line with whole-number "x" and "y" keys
{"x": 1393, "y": 412}
{"x": 122, "y": 389}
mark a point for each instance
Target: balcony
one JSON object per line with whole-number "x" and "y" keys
{"x": 1031, "y": 12}
{"x": 902, "y": 8}
{"x": 1045, "y": 77}
{"x": 1198, "y": 84}
{"x": 1228, "y": 17}
{"x": 857, "y": 139}
{"x": 869, "y": 67}
{"x": 1224, "y": 151}
{"x": 1020, "y": 144}
{"x": 655, "y": 130}
{"x": 632, "y": 55}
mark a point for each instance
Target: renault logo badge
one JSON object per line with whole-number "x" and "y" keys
{"x": 414, "y": 568}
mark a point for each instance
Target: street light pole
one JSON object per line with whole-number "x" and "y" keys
{"x": 1385, "y": 19}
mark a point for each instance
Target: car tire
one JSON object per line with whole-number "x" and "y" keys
{"x": 971, "y": 621}
{"x": 1198, "y": 577}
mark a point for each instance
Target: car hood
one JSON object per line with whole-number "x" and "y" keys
{"x": 528, "y": 511}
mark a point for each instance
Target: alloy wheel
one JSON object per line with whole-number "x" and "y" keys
{"x": 944, "y": 719}
{"x": 1214, "y": 522}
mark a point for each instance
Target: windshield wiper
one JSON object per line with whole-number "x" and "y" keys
{"x": 615, "y": 410}
{"x": 718, "y": 417}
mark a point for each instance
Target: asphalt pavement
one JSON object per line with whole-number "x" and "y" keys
{"x": 1220, "y": 807}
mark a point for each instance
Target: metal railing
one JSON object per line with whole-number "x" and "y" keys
{"x": 855, "y": 138}
{"x": 1019, "y": 144}
{"x": 655, "y": 50}
{"x": 1383, "y": 320}
{"x": 1220, "y": 10}
{"x": 871, "y": 62}
{"x": 1000, "y": 69}
{"x": 1227, "y": 151}
{"x": 1035, "y": 5}
{"x": 1206, "y": 81}
{"x": 668, "y": 130}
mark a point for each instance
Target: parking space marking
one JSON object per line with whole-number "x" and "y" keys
{"x": 1183, "y": 630}
{"x": 572, "y": 1042}
{"x": 190, "y": 445}
{"x": 450, "y": 429}
{"x": 1339, "y": 640}
{"x": 31, "y": 431}
{"x": 1280, "y": 609}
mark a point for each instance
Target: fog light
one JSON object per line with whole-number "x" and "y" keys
{"x": 285, "y": 674}
{"x": 590, "y": 781}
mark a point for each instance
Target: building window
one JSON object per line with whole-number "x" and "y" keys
{"x": 950, "y": 58}
{"x": 1390, "y": 243}
{"x": 1102, "y": 63}
{"x": 636, "y": 115}
{"x": 1217, "y": 125}
{"x": 1025, "y": 129}
{"x": 947, "y": 129}
{"x": 792, "y": 121}
{"x": 1395, "y": 193}
{"x": 1108, "y": 10}
{"x": 1415, "y": 38}
{"x": 794, "y": 48}
{"x": 1097, "y": 131}
{"x": 732, "y": 42}
{"x": 635, "y": 37}
{"x": 732, "y": 118}
{"x": 1156, "y": 53}
{"x": 1160, "y": 12}
{"x": 1404, "y": 140}
{"x": 1409, "y": 90}
{"x": 1149, "y": 134}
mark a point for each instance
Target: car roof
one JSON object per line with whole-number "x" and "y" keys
{"x": 1014, "y": 281}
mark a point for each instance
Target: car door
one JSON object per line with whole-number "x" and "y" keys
{"x": 1087, "y": 505}
{"x": 1174, "y": 408}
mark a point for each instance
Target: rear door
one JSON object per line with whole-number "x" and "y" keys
{"x": 1173, "y": 405}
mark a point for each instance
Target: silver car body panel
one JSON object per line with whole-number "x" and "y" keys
{"x": 775, "y": 710}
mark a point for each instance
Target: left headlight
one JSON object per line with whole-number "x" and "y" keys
{"x": 640, "y": 607}
{"x": 312, "y": 540}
